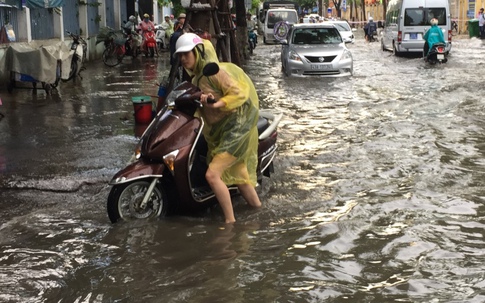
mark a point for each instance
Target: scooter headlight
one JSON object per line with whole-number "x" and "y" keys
{"x": 169, "y": 160}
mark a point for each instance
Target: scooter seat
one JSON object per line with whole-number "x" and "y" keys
{"x": 262, "y": 125}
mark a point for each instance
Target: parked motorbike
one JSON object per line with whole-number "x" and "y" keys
{"x": 150, "y": 42}
{"x": 167, "y": 172}
{"x": 132, "y": 44}
{"x": 160, "y": 38}
{"x": 251, "y": 41}
{"x": 78, "y": 53}
{"x": 437, "y": 54}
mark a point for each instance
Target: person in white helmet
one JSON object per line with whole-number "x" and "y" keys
{"x": 230, "y": 132}
{"x": 369, "y": 29}
{"x": 167, "y": 26}
{"x": 432, "y": 36}
{"x": 129, "y": 26}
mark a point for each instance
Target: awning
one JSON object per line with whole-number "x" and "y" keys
{"x": 44, "y": 3}
{"x": 34, "y": 3}
{"x": 14, "y": 3}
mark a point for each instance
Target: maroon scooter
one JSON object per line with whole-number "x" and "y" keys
{"x": 167, "y": 174}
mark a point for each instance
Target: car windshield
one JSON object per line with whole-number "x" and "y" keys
{"x": 316, "y": 36}
{"x": 343, "y": 27}
{"x": 277, "y": 16}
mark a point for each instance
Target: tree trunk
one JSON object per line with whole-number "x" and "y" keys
{"x": 241, "y": 32}
{"x": 384, "y": 9}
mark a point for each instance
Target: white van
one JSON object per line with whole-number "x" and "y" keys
{"x": 408, "y": 20}
{"x": 275, "y": 15}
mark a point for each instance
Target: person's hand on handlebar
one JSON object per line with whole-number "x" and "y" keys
{"x": 209, "y": 100}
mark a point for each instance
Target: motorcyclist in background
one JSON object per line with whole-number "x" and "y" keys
{"x": 167, "y": 26}
{"x": 129, "y": 28}
{"x": 251, "y": 25}
{"x": 369, "y": 29}
{"x": 145, "y": 26}
{"x": 432, "y": 36}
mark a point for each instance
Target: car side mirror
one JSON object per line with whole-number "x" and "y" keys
{"x": 284, "y": 42}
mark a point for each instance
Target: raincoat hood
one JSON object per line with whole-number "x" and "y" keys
{"x": 204, "y": 53}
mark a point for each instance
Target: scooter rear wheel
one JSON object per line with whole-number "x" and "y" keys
{"x": 124, "y": 202}
{"x": 72, "y": 72}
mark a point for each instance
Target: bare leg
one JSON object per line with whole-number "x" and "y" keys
{"x": 222, "y": 194}
{"x": 249, "y": 194}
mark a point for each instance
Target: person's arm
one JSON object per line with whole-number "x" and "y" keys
{"x": 233, "y": 93}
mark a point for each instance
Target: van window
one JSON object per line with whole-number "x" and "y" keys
{"x": 422, "y": 16}
{"x": 277, "y": 16}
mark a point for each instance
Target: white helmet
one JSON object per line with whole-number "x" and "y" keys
{"x": 187, "y": 42}
{"x": 371, "y": 19}
{"x": 132, "y": 18}
{"x": 433, "y": 21}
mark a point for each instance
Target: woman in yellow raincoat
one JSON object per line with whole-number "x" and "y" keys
{"x": 230, "y": 131}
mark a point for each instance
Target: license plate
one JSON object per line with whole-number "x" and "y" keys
{"x": 440, "y": 56}
{"x": 321, "y": 66}
{"x": 413, "y": 36}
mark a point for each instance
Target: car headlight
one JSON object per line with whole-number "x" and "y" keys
{"x": 292, "y": 55}
{"x": 346, "y": 55}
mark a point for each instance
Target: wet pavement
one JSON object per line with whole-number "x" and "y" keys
{"x": 377, "y": 196}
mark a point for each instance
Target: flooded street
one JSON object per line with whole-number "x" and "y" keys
{"x": 378, "y": 192}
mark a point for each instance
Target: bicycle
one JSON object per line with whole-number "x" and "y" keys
{"x": 114, "y": 53}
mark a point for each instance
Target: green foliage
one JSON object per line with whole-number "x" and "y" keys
{"x": 177, "y": 6}
{"x": 164, "y": 2}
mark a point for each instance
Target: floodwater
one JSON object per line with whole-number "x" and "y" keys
{"x": 377, "y": 195}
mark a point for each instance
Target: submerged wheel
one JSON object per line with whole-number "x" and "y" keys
{"x": 394, "y": 50}
{"x": 124, "y": 202}
{"x": 10, "y": 86}
{"x": 151, "y": 50}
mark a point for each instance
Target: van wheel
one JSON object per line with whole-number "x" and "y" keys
{"x": 394, "y": 50}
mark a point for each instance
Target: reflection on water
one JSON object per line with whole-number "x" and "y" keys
{"x": 377, "y": 195}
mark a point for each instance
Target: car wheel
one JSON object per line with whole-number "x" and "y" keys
{"x": 394, "y": 50}
{"x": 286, "y": 72}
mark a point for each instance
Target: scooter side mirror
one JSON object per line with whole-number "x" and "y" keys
{"x": 210, "y": 69}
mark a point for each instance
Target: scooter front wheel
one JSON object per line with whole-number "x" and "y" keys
{"x": 124, "y": 202}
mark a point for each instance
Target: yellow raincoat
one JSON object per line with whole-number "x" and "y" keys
{"x": 231, "y": 129}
